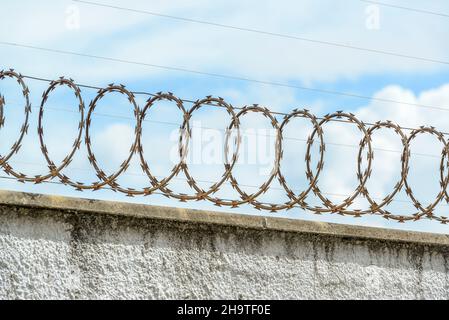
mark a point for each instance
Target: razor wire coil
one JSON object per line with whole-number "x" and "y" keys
{"x": 160, "y": 186}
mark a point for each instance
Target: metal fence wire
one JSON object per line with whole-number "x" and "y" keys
{"x": 364, "y": 160}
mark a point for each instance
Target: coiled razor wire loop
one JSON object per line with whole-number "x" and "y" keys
{"x": 104, "y": 178}
{"x": 300, "y": 199}
{"x": 330, "y": 206}
{"x": 54, "y": 170}
{"x": 374, "y": 206}
{"x": 24, "y": 129}
{"x": 364, "y": 159}
{"x": 245, "y": 198}
{"x": 443, "y": 182}
{"x": 201, "y": 194}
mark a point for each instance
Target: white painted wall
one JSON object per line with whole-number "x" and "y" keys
{"x": 50, "y": 254}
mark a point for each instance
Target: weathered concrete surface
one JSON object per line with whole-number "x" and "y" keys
{"x": 63, "y": 248}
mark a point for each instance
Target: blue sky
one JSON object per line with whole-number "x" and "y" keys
{"x": 120, "y": 34}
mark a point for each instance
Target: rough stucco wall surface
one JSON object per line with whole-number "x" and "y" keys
{"x": 60, "y": 255}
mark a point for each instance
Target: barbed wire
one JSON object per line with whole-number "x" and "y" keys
{"x": 184, "y": 180}
{"x": 276, "y": 113}
{"x": 246, "y": 133}
{"x": 231, "y": 153}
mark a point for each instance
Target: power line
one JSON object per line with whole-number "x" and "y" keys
{"x": 237, "y": 108}
{"x": 174, "y": 124}
{"x": 217, "y": 75}
{"x": 405, "y": 8}
{"x": 273, "y": 34}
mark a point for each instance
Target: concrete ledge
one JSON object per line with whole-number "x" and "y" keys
{"x": 73, "y": 205}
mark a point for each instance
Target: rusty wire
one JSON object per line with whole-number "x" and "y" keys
{"x": 366, "y": 153}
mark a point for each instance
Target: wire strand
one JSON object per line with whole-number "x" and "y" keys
{"x": 237, "y": 108}
{"x": 217, "y": 75}
{"x": 174, "y": 124}
{"x": 240, "y": 108}
{"x": 404, "y": 8}
{"x": 268, "y": 33}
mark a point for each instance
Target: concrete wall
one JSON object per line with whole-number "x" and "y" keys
{"x": 62, "y": 248}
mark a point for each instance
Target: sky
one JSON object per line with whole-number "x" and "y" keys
{"x": 389, "y": 63}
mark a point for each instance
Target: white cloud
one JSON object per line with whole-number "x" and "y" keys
{"x": 114, "y": 142}
{"x": 139, "y": 37}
